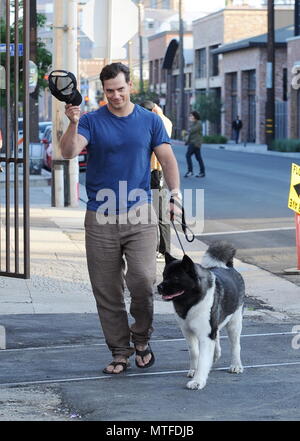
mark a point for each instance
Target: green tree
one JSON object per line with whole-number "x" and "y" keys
{"x": 139, "y": 98}
{"x": 44, "y": 57}
{"x": 209, "y": 106}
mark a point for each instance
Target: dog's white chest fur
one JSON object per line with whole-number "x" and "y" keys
{"x": 197, "y": 319}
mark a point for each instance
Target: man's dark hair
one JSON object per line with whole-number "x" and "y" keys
{"x": 195, "y": 115}
{"x": 149, "y": 105}
{"x": 112, "y": 70}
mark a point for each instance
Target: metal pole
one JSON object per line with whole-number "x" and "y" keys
{"x": 270, "y": 77}
{"x": 297, "y": 17}
{"x": 140, "y": 6}
{"x": 72, "y": 65}
{"x": 57, "y": 107}
{"x": 109, "y": 32}
{"x": 181, "y": 106}
{"x": 64, "y": 188}
{"x": 26, "y": 42}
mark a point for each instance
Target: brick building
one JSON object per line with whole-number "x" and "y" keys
{"x": 204, "y": 71}
{"x": 164, "y": 71}
{"x": 293, "y": 60}
{"x": 244, "y": 85}
{"x": 213, "y": 67}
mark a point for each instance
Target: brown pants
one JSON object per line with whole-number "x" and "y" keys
{"x": 106, "y": 247}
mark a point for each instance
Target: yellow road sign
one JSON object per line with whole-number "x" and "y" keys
{"x": 294, "y": 195}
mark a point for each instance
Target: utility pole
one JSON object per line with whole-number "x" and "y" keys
{"x": 297, "y": 17}
{"x": 141, "y": 57}
{"x": 181, "y": 106}
{"x": 33, "y": 97}
{"x": 65, "y": 172}
{"x": 108, "y": 59}
{"x": 270, "y": 77}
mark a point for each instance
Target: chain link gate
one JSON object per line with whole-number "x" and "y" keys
{"x": 14, "y": 138}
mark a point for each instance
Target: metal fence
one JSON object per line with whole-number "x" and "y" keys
{"x": 14, "y": 161}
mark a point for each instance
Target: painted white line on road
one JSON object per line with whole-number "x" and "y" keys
{"x": 82, "y": 345}
{"x": 142, "y": 374}
{"x": 263, "y": 230}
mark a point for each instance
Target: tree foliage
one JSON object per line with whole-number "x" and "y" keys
{"x": 209, "y": 106}
{"x": 139, "y": 98}
{"x": 44, "y": 57}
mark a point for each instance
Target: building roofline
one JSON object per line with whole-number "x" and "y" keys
{"x": 255, "y": 41}
{"x": 224, "y": 10}
{"x": 162, "y": 34}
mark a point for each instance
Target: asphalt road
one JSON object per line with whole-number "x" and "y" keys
{"x": 245, "y": 202}
{"x": 49, "y": 353}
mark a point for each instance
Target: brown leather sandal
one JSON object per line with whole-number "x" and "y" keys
{"x": 114, "y": 364}
{"x": 142, "y": 354}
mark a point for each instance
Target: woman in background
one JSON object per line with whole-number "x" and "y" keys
{"x": 194, "y": 142}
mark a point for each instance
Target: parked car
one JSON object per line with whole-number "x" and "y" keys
{"x": 47, "y": 142}
{"x": 42, "y": 127}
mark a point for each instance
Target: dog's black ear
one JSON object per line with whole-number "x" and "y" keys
{"x": 169, "y": 258}
{"x": 188, "y": 265}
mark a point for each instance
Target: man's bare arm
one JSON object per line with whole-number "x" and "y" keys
{"x": 166, "y": 157}
{"x": 71, "y": 142}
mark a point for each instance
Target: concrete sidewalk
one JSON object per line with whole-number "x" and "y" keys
{"x": 59, "y": 280}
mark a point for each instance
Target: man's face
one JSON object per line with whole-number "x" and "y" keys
{"x": 117, "y": 91}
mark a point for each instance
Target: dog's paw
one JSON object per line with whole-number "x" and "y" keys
{"x": 236, "y": 369}
{"x": 196, "y": 384}
{"x": 191, "y": 373}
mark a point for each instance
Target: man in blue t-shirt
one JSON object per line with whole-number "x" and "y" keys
{"x": 120, "y": 138}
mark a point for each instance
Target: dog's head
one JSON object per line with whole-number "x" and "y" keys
{"x": 179, "y": 277}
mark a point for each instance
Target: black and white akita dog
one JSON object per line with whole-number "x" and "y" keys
{"x": 206, "y": 298}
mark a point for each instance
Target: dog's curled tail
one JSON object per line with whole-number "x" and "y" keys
{"x": 219, "y": 254}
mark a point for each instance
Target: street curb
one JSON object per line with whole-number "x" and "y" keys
{"x": 260, "y": 149}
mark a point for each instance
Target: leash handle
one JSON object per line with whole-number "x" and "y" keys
{"x": 183, "y": 225}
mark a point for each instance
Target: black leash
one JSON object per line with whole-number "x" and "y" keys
{"x": 183, "y": 224}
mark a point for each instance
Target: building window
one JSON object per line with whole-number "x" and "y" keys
{"x": 165, "y": 4}
{"x": 188, "y": 81}
{"x": 149, "y": 23}
{"x": 153, "y": 4}
{"x": 252, "y": 80}
{"x": 163, "y": 72}
{"x": 251, "y": 106}
{"x": 233, "y": 86}
{"x": 213, "y": 62}
{"x": 156, "y": 71}
{"x": 201, "y": 63}
{"x": 233, "y": 83}
{"x": 284, "y": 84}
{"x": 151, "y": 72}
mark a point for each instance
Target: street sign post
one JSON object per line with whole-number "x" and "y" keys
{"x": 11, "y": 49}
{"x": 294, "y": 195}
{"x": 294, "y": 204}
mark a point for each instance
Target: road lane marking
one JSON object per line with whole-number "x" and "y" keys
{"x": 142, "y": 374}
{"x": 83, "y": 345}
{"x": 263, "y": 230}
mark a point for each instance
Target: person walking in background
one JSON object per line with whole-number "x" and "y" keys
{"x": 158, "y": 183}
{"x": 237, "y": 126}
{"x": 120, "y": 138}
{"x": 194, "y": 143}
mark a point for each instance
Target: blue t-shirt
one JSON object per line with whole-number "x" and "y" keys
{"x": 119, "y": 151}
